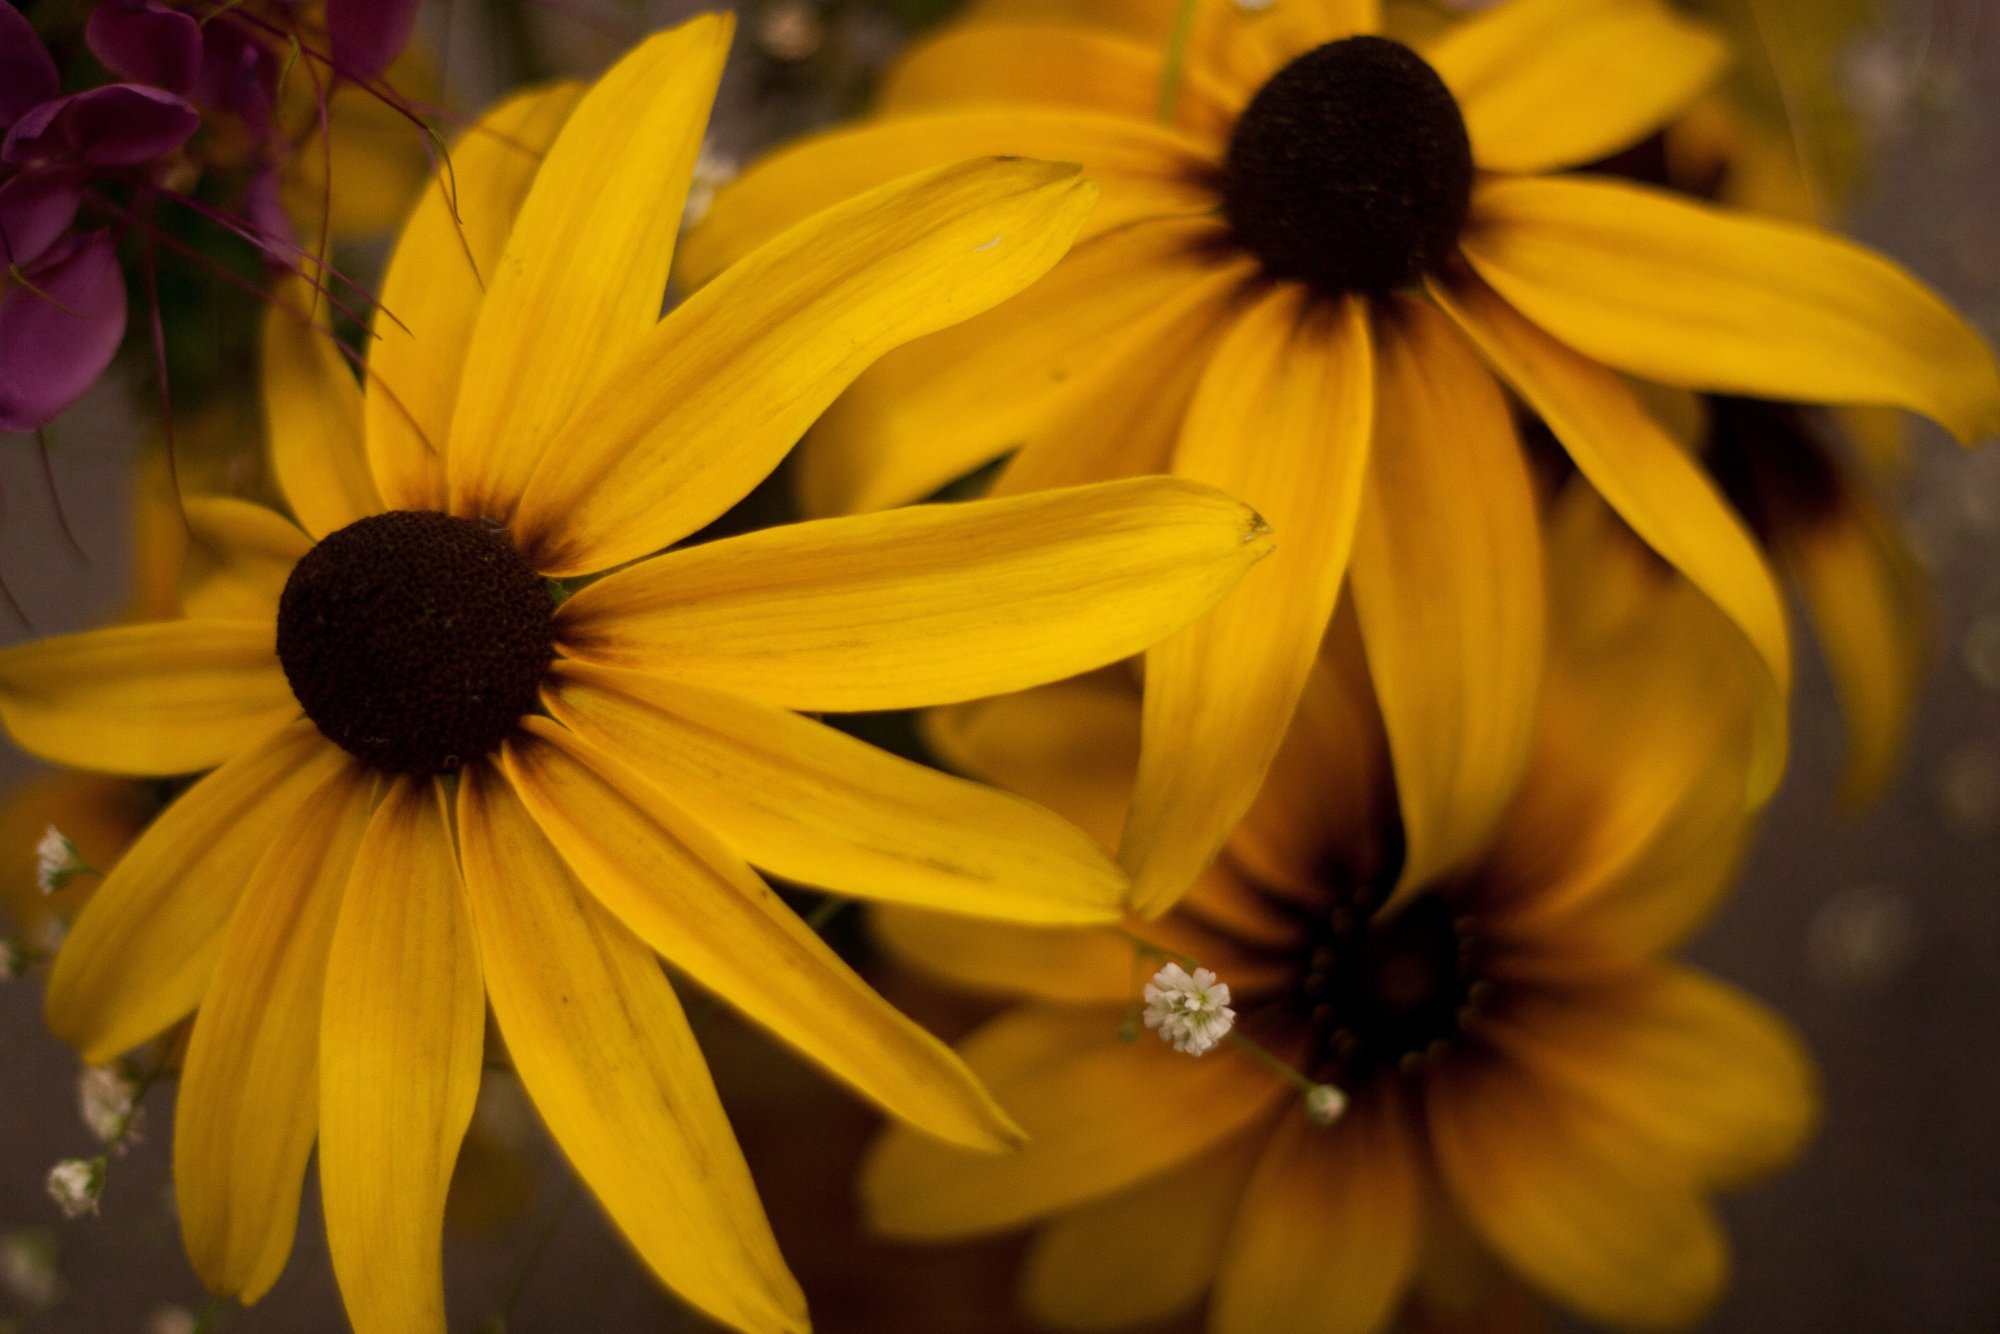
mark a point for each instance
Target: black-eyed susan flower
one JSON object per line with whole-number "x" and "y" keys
{"x": 1500, "y": 1074}
{"x": 1316, "y": 248}
{"x": 448, "y": 774}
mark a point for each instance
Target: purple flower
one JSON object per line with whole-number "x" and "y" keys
{"x": 118, "y": 125}
{"x": 36, "y": 208}
{"x": 60, "y": 323}
{"x": 145, "y": 42}
{"x": 27, "y": 73}
{"x": 368, "y": 35}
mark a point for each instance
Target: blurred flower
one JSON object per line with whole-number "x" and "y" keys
{"x": 1295, "y": 289}
{"x": 28, "y": 1271}
{"x": 1521, "y": 1075}
{"x": 56, "y": 861}
{"x": 75, "y": 1184}
{"x": 107, "y": 1099}
{"x": 527, "y": 419}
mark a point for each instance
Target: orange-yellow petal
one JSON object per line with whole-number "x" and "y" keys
{"x": 239, "y": 556}
{"x": 312, "y": 415}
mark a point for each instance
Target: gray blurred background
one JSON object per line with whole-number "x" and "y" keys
{"x": 1879, "y": 935}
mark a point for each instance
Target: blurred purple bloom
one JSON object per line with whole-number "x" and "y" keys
{"x": 368, "y": 35}
{"x": 239, "y": 75}
{"x": 146, "y": 42}
{"x": 59, "y": 327}
{"x": 36, "y": 208}
{"x": 27, "y": 73}
{"x": 119, "y": 125}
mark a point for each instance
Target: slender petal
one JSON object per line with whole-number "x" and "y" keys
{"x": 948, "y": 404}
{"x": 1548, "y": 84}
{"x": 1143, "y": 1254}
{"x": 312, "y": 416}
{"x": 1652, "y": 484}
{"x": 140, "y": 955}
{"x": 1101, "y": 1115}
{"x": 704, "y": 407}
{"x": 239, "y": 556}
{"x": 1679, "y": 292}
{"x": 817, "y": 806}
{"x": 585, "y": 266}
{"x": 676, "y": 887}
{"x": 58, "y": 335}
{"x": 446, "y": 255}
{"x": 926, "y": 605}
{"x": 1146, "y": 170}
{"x": 1591, "y": 1216}
{"x": 1326, "y": 1238}
{"x": 249, "y": 1097}
{"x": 1282, "y": 419}
{"x": 604, "y": 1050}
{"x": 1448, "y": 589}
{"x": 165, "y": 697}
{"x": 1011, "y": 962}
{"x": 402, "y": 1032}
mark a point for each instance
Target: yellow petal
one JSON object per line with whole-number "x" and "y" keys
{"x": 1101, "y": 1115}
{"x": 166, "y": 697}
{"x": 676, "y": 887}
{"x": 926, "y": 605}
{"x": 1655, "y": 488}
{"x": 140, "y": 954}
{"x": 1066, "y": 964}
{"x": 817, "y": 806}
{"x": 1686, "y": 294}
{"x": 1448, "y": 590}
{"x": 1145, "y": 170}
{"x": 936, "y": 410}
{"x": 707, "y": 404}
{"x": 603, "y": 1048}
{"x": 1547, "y": 84}
{"x": 1283, "y": 420}
{"x": 402, "y": 1034}
{"x": 239, "y": 556}
{"x": 249, "y": 1097}
{"x": 1051, "y": 63}
{"x": 1594, "y": 1219}
{"x": 446, "y": 254}
{"x": 1112, "y": 1263}
{"x": 1326, "y": 1236}
{"x": 1699, "y": 1073}
{"x": 312, "y": 415}
{"x": 585, "y": 266}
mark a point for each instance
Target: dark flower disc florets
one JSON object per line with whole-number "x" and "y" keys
{"x": 1350, "y": 169}
{"x": 415, "y": 640}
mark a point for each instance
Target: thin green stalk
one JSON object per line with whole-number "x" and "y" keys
{"x": 1176, "y": 62}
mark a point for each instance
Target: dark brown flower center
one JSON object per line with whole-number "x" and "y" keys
{"x": 1350, "y": 169}
{"x": 415, "y": 640}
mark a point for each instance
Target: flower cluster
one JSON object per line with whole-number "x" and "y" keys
{"x": 1190, "y": 1011}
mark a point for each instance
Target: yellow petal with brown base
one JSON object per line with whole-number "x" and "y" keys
{"x": 1686, "y": 294}
{"x": 402, "y": 1035}
{"x": 140, "y": 955}
{"x": 1548, "y": 84}
{"x": 249, "y": 1094}
{"x": 165, "y": 697}
{"x": 926, "y": 605}
{"x": 1448, "y": 590}
{"x": 445, "y": 255}
{"x": 1283, "y": 419}
{"x": 605, "y": 1052}
{"x": 312, "y": 415}
{"x": 585, "y": 267}
{"x": 1101, "y": 1114}
{"x": 239, "y": 556}
{"x": 819, "y": 807}
{"x": 706, "y": 405}
{"x": 1654, "y": 486}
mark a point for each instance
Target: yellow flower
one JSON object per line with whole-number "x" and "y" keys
{"x": 1527, "y": 1078}
{"x": 1301, "y": 290}
{"x": 437, "y": 788}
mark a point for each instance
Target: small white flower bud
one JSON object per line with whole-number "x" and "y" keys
{"x": 713, "y": 169}
{"x": 105, "y": 1098}
{"x": 172, "y": 1320}
{"x": 28, "y": 1270}
{"x": 75, "y": 1185}
{"x": 1325, "y": 1104}
{"x": 1191, "y": 1011}
{"x": 57, "y": 861}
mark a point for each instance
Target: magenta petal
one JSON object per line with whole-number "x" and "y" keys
{"x": 238, "y": 74}
{"x": 36, "y": 207}
{"x": 27, "y": 74}
{"x": 368, "y": 35}
{"x": 56, "y": 339}
{"x": 146, "y": 42}
{"x": 119, "y": 125}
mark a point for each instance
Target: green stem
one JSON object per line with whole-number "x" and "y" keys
{"x": 1265, "y": 1057}
{"x": 1176, "y": 61}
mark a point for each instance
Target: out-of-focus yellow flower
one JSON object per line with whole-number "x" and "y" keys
{"x": 1526, "y": 1076}
{"x": 375, "y": 152}
{"x": 1300, "y": 287}
{"x": 446, "y": 777}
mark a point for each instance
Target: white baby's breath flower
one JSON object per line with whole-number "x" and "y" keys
{"x": 75, "y": 1184}
{"x": 1190, "y": 1010}
{"x": 1325, "y": 1104}
{"x": 104, "y": 1097}
{"x": 57, "y": 861}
